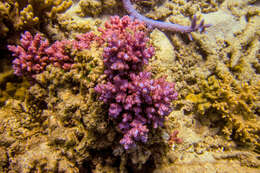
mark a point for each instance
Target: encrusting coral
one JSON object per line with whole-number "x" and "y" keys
{"x": 65, "y": 118}
{"x": 209, "y": 57}
{"x": 11, "y": 87}
{"x": 72, "y": 22}
{"x": 230, "y": 92}
{"x": 90, "y": 7}
{"x": 95, "y": 7}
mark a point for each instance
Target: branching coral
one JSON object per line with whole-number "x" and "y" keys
{"x": 77, "y": 128}
{"x": 72, "y": 127}
{"x": 17, "y": 15}
{"x": 224, "y": 99}
{"x": 135, "y": 100}
{"x": 69, "y": 98}
{"x": 35, "y": 53}
{"x": 4, "y": 10}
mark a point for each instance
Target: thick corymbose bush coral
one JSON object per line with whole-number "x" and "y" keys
{"x": 35, "y": 53}
{"x": 135, "y": 101}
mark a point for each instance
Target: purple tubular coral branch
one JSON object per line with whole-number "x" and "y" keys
{"x": 166, "y": 25}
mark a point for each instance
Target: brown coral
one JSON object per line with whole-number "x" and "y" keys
{"x": 16, "y": 15}
{"x": 234, "y": 104}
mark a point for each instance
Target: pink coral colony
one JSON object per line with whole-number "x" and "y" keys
{"x": 35, "y": 53}
{"x": 136, "y": 101}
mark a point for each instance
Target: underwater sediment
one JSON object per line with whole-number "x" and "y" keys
{"x": 52, "y": 116}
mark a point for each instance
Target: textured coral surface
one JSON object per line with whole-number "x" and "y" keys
{"x": 57, "y": 122}
{"x": 15, "y": 15}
